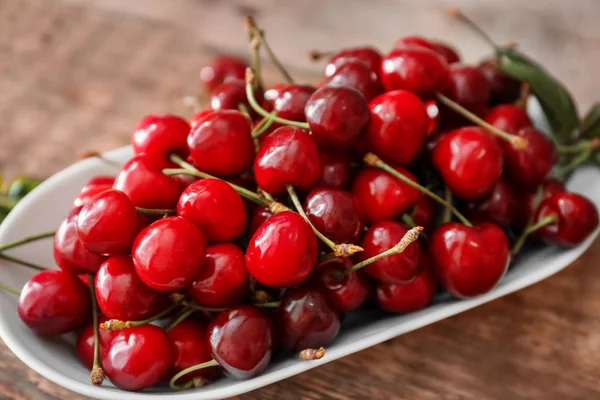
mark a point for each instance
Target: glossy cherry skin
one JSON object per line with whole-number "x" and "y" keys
{"x": 121, "y": 294}
{"x": 190, "y": 347}
{"x": 419, "y": 41}
{"x": 469, "y": 260}
{"x": 288, "y": 156}
{"x": 69, "y": 253}
{"x": 223, "y": 68}
{"x": 383, "y": 197}
{"x": 549, "y": 187}
{"x": 137, "y": 358}
{"x": 448, "y": 52}
{"x": 425, "y": 213}
{"x": 501, "y": 205}
{"x": 97, "y": 184}
{"x": 503, "y": 88}
{"x": 222, "y": 144}
{"x": 54, "y": 302}
{"x": 223, "y": 279}
{"x": 508, "y": 118}
{"x": 283, "y": 251}
{"x": 306, "y": 320}
{"x": 240, "y": 339}
{"x": 358, "y": 75}
{"x": 337, "y": 171}
{"x": 289, "y": 100}
{"x": 398, "y": 126}
{"x": 577, "y": 219}
{"x": 144, "y": 183}
{"x": 416, "y": 69}
{"x": 198, "y": 118}
{"x": 169, "y": 253}
{"x": 368, "y": 55}
{"x": 397, "y": 268}
{"x": 257, "y": 217}
{"x": 469, "y": 88}
{"x": 469, "y": 160}
{"x": 336, "y": 115}
{"x": 229, "y": 96}
{"x": 528, "y": 167}
{"x": 158, "y": 136}
{"x": 85, "y": 342}
{"x": 214, "y": 207}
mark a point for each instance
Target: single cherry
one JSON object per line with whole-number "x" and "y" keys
{"x": 257, "y": 217}
{"x": 501, "y": 205}
{"x": 158, "y": 136}
{"x": 548, "y": 188}
{"x": 222, "y": 69}
{"x": 503, "y": 87}
{"x": 85, "y": 342}
{"x": 190, "y": 347}
{"x": 337, "y": 171}
{"x": 447, "y": 51}
{"x": 368, "y": 55}
{"x": 358, "y": 75}
{"x": 97, "y": 184}
{"x": 418, "y": 41}
{"x": 198, "y": 118}
{"x": 508, "y": 118}
{"x": 469, "y": 88}
{"x": 289, "y": 100}
{"x": 425, "y": 213}
{"x": 230, "y": 95}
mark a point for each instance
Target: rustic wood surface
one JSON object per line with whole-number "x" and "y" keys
{"x": 79, "y": 74}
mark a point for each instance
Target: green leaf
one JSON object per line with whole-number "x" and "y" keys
{"x": 21, "y": 186}
{"x": 590, "y": 128}
{"x": 555, "y": 100}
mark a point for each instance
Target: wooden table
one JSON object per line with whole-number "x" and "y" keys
{"x": 79, "y": 74}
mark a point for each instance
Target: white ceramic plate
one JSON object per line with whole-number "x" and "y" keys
{"x": 55, "y": 358}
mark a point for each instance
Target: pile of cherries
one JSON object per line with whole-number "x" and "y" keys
{"x": 251, "y": 228}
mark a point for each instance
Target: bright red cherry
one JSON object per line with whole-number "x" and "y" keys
{"x": 549, "y": 187}
{"x": 258, "y": 216}
{"x": 398, "y": 268}
{"x": 137, "y": 358}
{"x": 398, "y": 126}
{"x": 198, "y": 118}
{"x": 97, "y": 184}
{"x": 158, "y": 136}
{"x": 223, "y": 279}
{"x": 501, "y": 205}
{"x": 577, "y": 218}
{"x": 85, "y": 342}
{"x": 241, "y": 341}
{"x": 418, "y": 41}
{"x": 470, "y": 161}
{"x": 469, "y": 260}
{"x": 214, "y": 207}
{"x": 288, "y": 156}
{"x": 190, "y": 347}
{"x": 169, "y": 253}
{"x": 508, "y": 118}
{"x": 223, "y": 68}
{"x": 336, "y": 115}
{"x": 283, "y": 251}
{"x": 337, "y": 171}
{"x": 230, "y": 95}
{"x": 503, "y": 87}
{"x": 469, "y": 88}
{"x": 54, "y": 302}
{"x": 366, "y": 54}
{"x": 358, "y": 75}
{"x": 289, "y": 100}
{"x": 222, "y": 144}
{"x": 448, "y": 52}
{"x": 121, "y": 294}
{"x": 383, "y": 197}
{"x": 425, "y": 213}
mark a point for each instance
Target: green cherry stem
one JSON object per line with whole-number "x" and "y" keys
{"x": 576, "y": 148}
{"x": 254, "y": 53}
{"x": 9, "y": 289}
{"x": 25, "y": 240}
{"x": 21, "y": 262}
{"x": 156, "y": 211}
{"x": 565, "y": 170}
{"x": 474, "y": 27}
{"x": 117, "y": 325}
{"x": 446, "y": 214}
{"x": 174, "y": 386}
{"x": 182, "y": 317}
{"x": 97, "y": 374}
{"x": 263, "y": 125}
{"x": 409, "y": 221}
{"x": 549, "y": 220}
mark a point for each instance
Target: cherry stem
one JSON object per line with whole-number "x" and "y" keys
{"x": 182, "y": 317}
{"x": 25, "y": 240}
{"x": 409, "y": 221}
{"x": 446, "y": 215}
{"x": 326, "y": 257}
{"x": 254, "y": 53}
{"x": 9, "y": 289}
{"x": 198, "y": 307}
{"x": 96, "y": 154}
{"x": 316, "y": 55}
{"x": 263, "y": 125}
{"x": 97, "y": 373}
{"x": 408, "y": 238}
{"x": 312, "y": 354}
{"x": 565, "y": 170}
{"x": 549, "y": 220}
{"x": 156, "y": 211}
{"x": 516, "y": 141}
{"x": 576, "y": 148}
{"x": 474, "y": 27}
{"x": 193, "y": 368}
{"x": 270, "y": 304}
{"x": 521, "y": 102}
{"x": 374, "y": 161}
{"x": 21, "y": 262}
{"x": 117, "y": 325}
{"x": 244, "y": 110}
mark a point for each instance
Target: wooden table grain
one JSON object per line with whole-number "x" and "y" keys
{"x": 78, "y": 75}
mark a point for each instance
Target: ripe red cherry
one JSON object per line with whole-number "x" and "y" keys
{"x": 283, "y": 251}
{"x": 108, "y": 224}
{"x": 229, "y": 96}
{"x": 97, "y": 184}
{"x": 358, "y": 75}
{"x": 335, "y": 213}
{"x": 501, "y": 205}
{"x": 383, "y": 197}
{"x": 425, "y": 213}
{"x": 577, "y": 219}
{"x": 214, "y": 207}
{"x": 241, "y": 341}
{"x": 289, "y": 100}
{"x": 222, "y": 144}
{"x": 414, "y": 41}
{"x": 416, "y": 69}
{"x": 508, "y": 118}
{"x": 469, "y": 88}
{"x": 469, "y": 260}
{"x": 54, "y": 302}
{"x": 398, "y": 126}
{"x": 336, "y": 170}
{"x": 223, "y": 68}
{"x": 549, "y": 187}
{"x": 137, "y": 358}
{"x": 258, "y": 216}
{"x": 145, "y": 184}
{"x": 121, "y": 294}
{"x": 503, "y": 87}
{"x": 288, "y": 156}
{"x": 448, "y": 52}
{"x": 528, "y": 167}
{"x": 190, "y": 347}
{"x": 470, "y": 161}
{"x": 366, "y": 54}
{"x": 306, "y": 320}
{"x": 223, "y": 279}
{"x": 198, "y": 118}
{"x": 397, "y": 268}
{"x": 337, "y": 116}
{"x": 169, "y": 253}
{"x": 69, "y": 253}
{"x": 158, "y": 136}
{"x": 85, "y": 342}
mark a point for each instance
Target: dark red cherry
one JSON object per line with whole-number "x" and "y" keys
{"x": 69, "y": 253}
{"x": 241, "y": 341}
{"x": 288, "y": 156}
{"x": 425, "y": 214}
{"x": 448, "y": 52}
{"x": 501, "y": 205}
{"x": 337, "y": 116}
{"x": 283, "y": 251}
{"x": 169, "y": 253}
{"x": 508, "y": 118}
{"x": 97, "y": 184}
{"x": 337, "y": 171}
{"x": 503, "y": 87}
{"x": 469, "y": 260}
{"x": 223, "y": 279}
{"x": 222, "y": 144}
{"x": 398, "y": 126}
{"x": 366, "y": 54}
{"x": 258, "y": 216}
{"x": 121, "y": 294}
{"x": 85, "y": 342}
{"x": 190, "y": 347}
{"x": 549, "y": 187}
{"x": 230, "y": 95}
{"x": 223, "y": 68}
{"x": 214, "y": 207}
{"x": 528, "y": 167}
{"x": 383, "y": 197}
{"x": 158, "y": 136}
{"x": 358, "y": 75}
{"x": 469, "y": 88}
{"x": 418, "y": 41}
{"x": 577, "y": 218}
{"x": 137, "y": 358}
{"x": 198, "y": 118}
{"x": 289, "y": 100}
{"x": 54, "y": 302}
{"x": 397, "y": 268}
{"x": 145, "y": 184}
{"x": 470, "y": 161}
